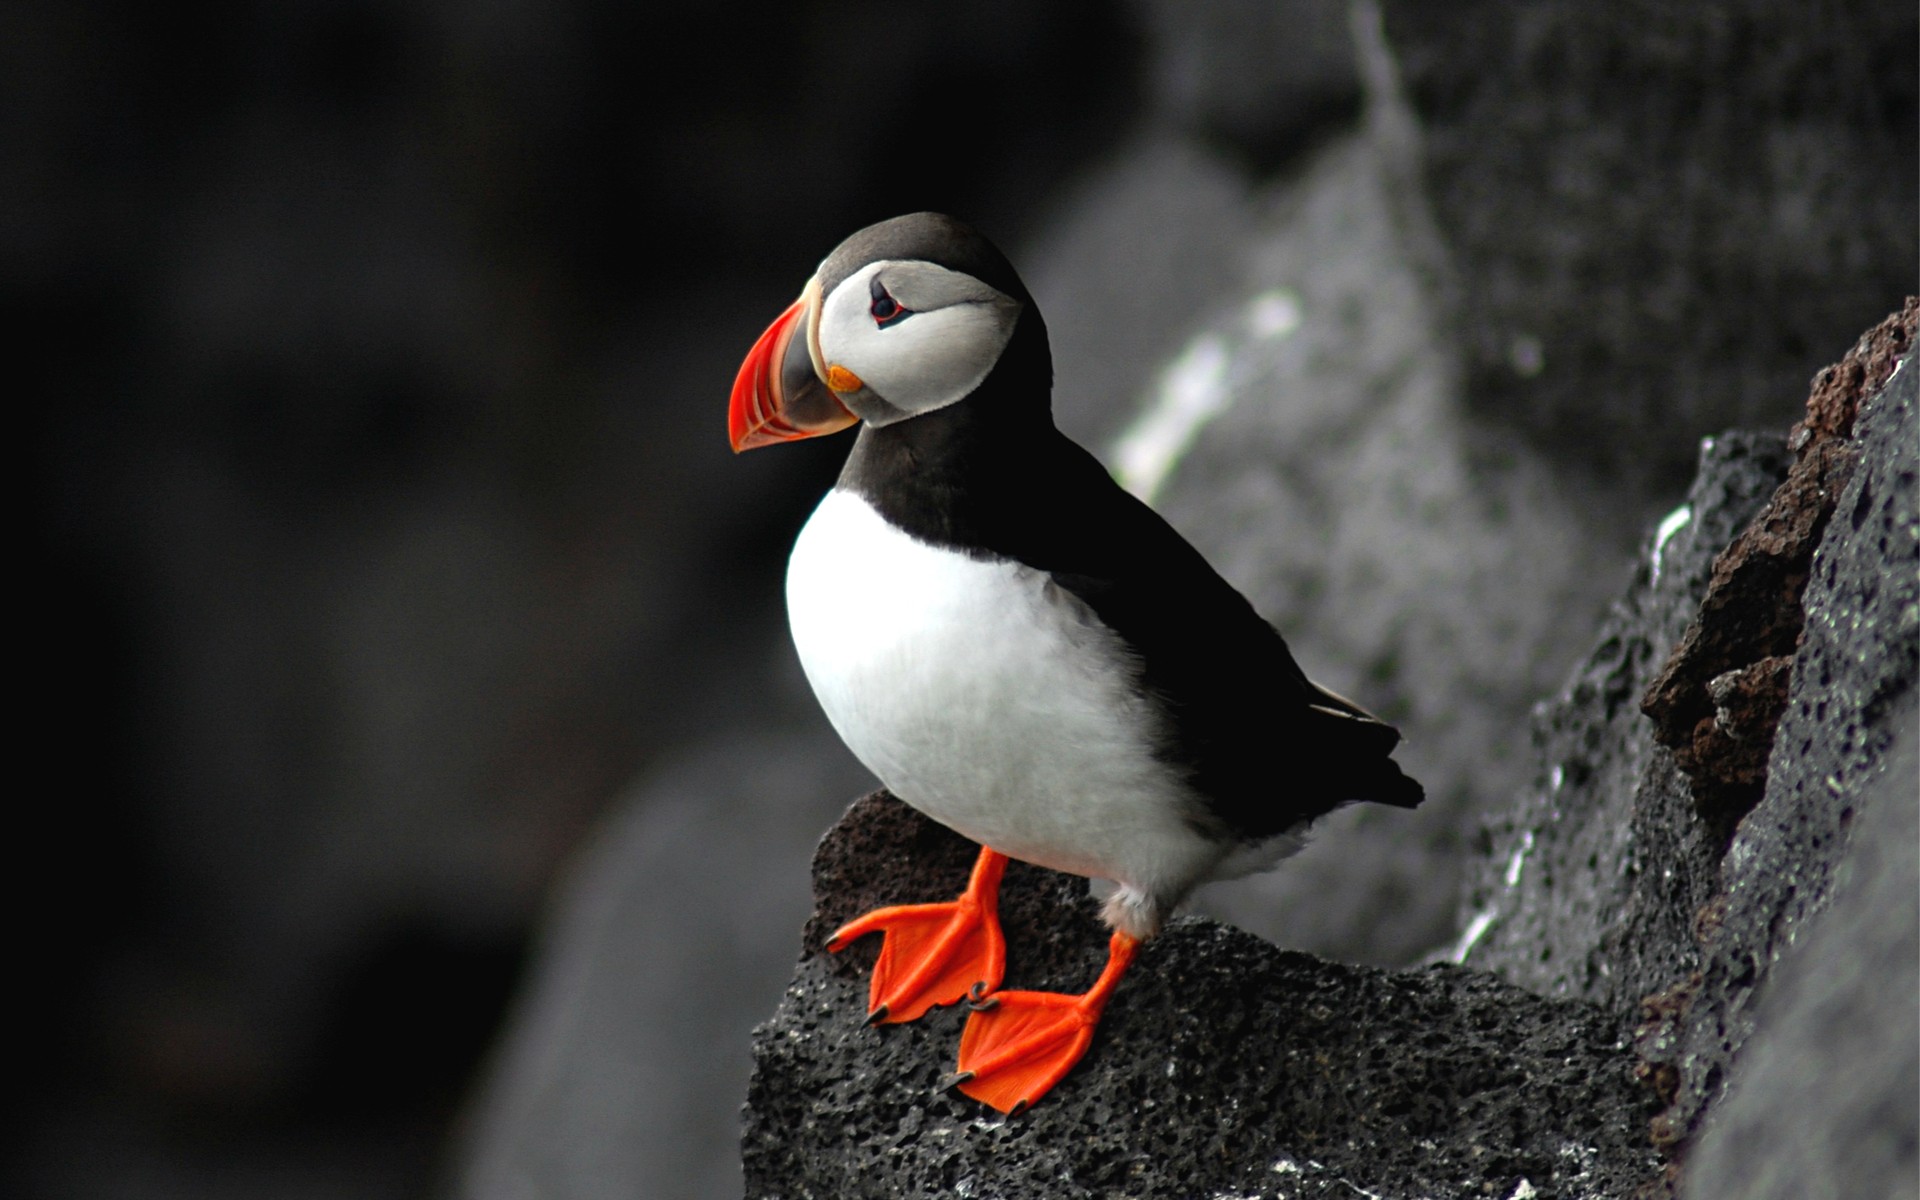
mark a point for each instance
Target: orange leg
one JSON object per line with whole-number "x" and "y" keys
{"x": 935, "y": 953}
{"x": 1017, "y": 1045}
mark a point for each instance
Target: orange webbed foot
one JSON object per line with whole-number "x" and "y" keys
{"x": 934, "y": 953}
{"x": 1017, "y": 1045}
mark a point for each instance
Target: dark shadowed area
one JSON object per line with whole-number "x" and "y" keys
{"x": 431, "y": 789}
{"x": 382, "y": 520}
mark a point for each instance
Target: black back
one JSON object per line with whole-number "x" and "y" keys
{"x": 1265, "y": 747}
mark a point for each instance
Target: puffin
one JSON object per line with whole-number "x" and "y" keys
{"x": 1018, "y": 647}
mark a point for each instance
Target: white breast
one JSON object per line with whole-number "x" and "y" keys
{"x": 988, "y": 698}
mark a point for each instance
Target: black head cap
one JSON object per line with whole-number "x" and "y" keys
{"x": 925, "y": 237}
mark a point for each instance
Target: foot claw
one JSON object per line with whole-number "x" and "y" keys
{"x": 1019, "y": 1106}
{"x": 878, "y": 1015}
{"x": 955, "y": 1080}
{"x": 979, "y": 999}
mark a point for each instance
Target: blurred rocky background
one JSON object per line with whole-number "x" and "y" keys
{"x": 433, "y": 790}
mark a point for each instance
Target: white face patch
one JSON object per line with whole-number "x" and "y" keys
{"x": 951, "y": 334}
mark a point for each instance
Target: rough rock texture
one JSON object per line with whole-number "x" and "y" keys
{"x": 1826, "y": 1103}
{"x": 1852, "y": 694}
{"x": 1717, "y": 700}
{"x": 1606, "y": 882}
{"x": 1595, "y": 870}
{"x": 1224, "y": 1066}
{"x": 1599, "y": 877}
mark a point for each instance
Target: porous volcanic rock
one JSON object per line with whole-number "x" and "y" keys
{"x": 1609, "y": 881}
{"x": 1593, "y": 872}
{"x": 1716, "y": 702}
{"x": 1827, "y": 1098}
{"x": 1852, "y": 696}
{"x": 1223, "y": 1065}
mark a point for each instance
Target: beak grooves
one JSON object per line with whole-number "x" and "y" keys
{"x": 778, "y": 400}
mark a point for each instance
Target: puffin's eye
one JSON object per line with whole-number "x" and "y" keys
{"x": 885, "y": 309}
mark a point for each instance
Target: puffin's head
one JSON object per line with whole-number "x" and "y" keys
{"x": 903, "y": 318}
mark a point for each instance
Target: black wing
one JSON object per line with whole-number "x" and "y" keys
{"x": 1266, "y": 746}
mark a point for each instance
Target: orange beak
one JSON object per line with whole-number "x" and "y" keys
{"x": 778, "y": 396}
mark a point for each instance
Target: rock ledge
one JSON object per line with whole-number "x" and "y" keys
{"x": 1224, "y": 1065}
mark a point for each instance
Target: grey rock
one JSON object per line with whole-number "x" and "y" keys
{"x": 1223, "y": 1065}
{"x": 1410, "y": 561}
{"x": 627, "y": 1056}
{"x": 1604, "y": 882}
{"x": 1594, "y": 871}
{"x": 1852, "y": 695}
{"x": 1398, "y": 344}
{"x": 1825, "y": 1103}
{"x": 1131, "y": 268}
{"x": 1679, "y": 210}
{"x": 1253, "y": 78}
